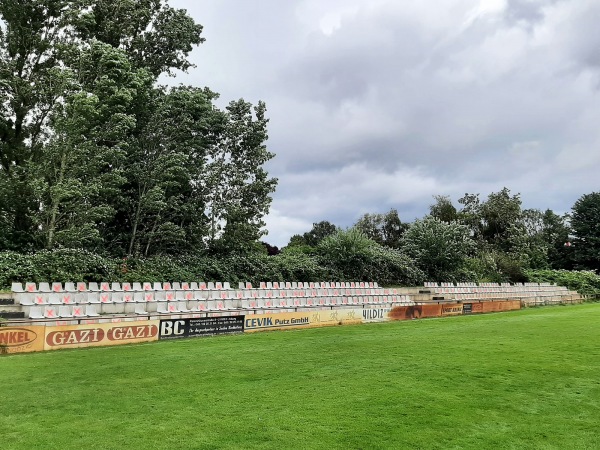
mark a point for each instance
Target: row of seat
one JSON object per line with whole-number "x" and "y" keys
{"x": 434, "y": 284}
{"x": 58, "y": 287}
{"x": 499, "y": 289}
{"x": 54, "y": 298}
{"x": 90, "y": 310}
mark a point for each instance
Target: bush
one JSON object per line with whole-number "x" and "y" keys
{"x": 583, "y": 281}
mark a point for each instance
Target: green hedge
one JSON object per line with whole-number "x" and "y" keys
{"x": 583, "y": 281}
{"x": 385, "y": 267}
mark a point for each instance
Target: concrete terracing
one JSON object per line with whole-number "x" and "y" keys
{"x": 55, "y": 303}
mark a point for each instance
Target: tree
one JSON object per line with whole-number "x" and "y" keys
{"x": 238, "y": 188}
{"x": 312, "y": 238}
{"x": 351, "y": 255}
{"x": 443, "y": 209}
{"x": 95, "y": 154}
{"x": 45, "y": 50}
{"x": 438, "y": 248}
{"x": 385, "y": 229}
{"x": 585, "y": 222}
{"x": 499, "y": 214}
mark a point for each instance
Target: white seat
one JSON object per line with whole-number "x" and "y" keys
{"x": 92, "y": 297}
{"x": 24, "y": 298}
{"x": 117, "y": 297}
{"x": 116, "y": 287}
{"x": 16, "y": 287}
{"x": 105, "y": 297}
{"x": 140, "y": 308}
{"x": 30, "y": 287}
{"x": 105, "y": 287}
{"x": 70, "y": 287}
{"x": 81, "y": 287}
{"x": 35, "y": 312}
{"x": 128, "y": 297}
{"x": 167, "y": 286}
{"x": 202, "y": 306}
{"x": 54, "y": 299}
{"x": 93, "y": 286}
{"x": 44, "y": 287}
{"x": 50, "y": 312}
{"x": 136, "y": 286}
{"x": 67, "y": 298}
{"x": 90, "y": 310}
{"x": 169, "y": 296}
{"x": 226, "y": 285}
{"x": 157, "y": 286}
{"x": 147, "y": 286}
{"x": 64, "y": 311}
{"x": 182, "y": 307}
{"x": 78, "y": 311}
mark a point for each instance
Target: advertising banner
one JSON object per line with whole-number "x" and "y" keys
{"x": 22, "y": 339}
{"x": 302, "y": 319}
{"x": 455, "y": 309}
{"x": 204, "y": 326}
{"x": 415, "y": 312}
{"x": 501, "y": 306}
{"x": 100, "y": 334}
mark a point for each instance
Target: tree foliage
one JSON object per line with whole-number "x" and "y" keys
{"x": 95, "y": 154}
{"x": 385, "y": 229}
{"x": 438, "y": 248}
{"x": 585, "y": 222}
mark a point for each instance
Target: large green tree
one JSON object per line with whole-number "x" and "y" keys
{"x": 438, "y": 248}
{"x": 585, "y": 222}
{"x": 95, "y": 154}
{"x": 385, "y": 229}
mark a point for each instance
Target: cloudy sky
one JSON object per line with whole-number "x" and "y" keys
{"x": 377, "y": 104}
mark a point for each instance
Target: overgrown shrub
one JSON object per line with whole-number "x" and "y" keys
{"x": 583, "y": 281}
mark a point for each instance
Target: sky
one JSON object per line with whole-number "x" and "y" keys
{"x": 377, "y": 104}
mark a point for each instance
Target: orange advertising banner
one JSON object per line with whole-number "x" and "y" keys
{"x": 415, "y": 312}
{"x": 22, "y": 339}
{"x": 501, "y": 306}
{"x": 100, "y": 334}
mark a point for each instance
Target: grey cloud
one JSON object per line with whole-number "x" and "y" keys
{"x": 403, "y": 101}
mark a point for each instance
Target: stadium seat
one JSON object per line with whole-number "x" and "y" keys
{"x": 78, "y": 311}
{"x": 182, "y": 307}
{"x": 50, "y": 312}
{"x": 140, "y": 308}
{"x": 24, "y": 298}
{"x": 64, "y": 311}
{"x": 16, "y": 287}
{"x": 54, "y": 299}
{"x": 93, "y": 298}
{"x": 35, "y": 312}
{"x": 90, "y": 310}
{"x": 67, "y": 298}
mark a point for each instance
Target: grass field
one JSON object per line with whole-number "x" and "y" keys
{"x": 525, "y": 379}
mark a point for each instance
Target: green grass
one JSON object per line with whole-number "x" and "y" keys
{"x": 525, "y": 379}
